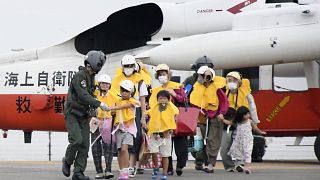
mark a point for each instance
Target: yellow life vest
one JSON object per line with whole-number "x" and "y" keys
{"x": 146, "y": 76}
{"x": 171, "y": 85}
{"x": 135, "y": 78}
{"x": 206, "y": 98}
{"x": 128, "y": 114}
{"x": 242, "y": 94}
{"x": 144, "y": 72}
{"x": 220, "y": 81}
{"x": 110, "y": 99}
{"x": 162, "y": 121}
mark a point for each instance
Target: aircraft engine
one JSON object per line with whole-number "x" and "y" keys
{"x": 271, "y": 36}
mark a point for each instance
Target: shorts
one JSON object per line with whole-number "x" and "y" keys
{"x": 162, "y": 145}
{"x": 123, "y": 138}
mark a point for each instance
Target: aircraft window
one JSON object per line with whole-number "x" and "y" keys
{"x": 289, "y": 77}
{"x": 126, "y": 29}
{"x": 251, "y": 73}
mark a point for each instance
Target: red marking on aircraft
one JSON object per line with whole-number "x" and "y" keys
{"x": 237, "y": 8}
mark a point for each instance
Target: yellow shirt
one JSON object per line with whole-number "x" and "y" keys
{"x": 154, "y": 91}
{"x": 127, "y": 114}
{"x": 109, "y": 99}
{"x": 135, "y": 78}
{"x": 162, "y": 121}
{"x": 206, "y": 98}
{"x": 243, "y": 92}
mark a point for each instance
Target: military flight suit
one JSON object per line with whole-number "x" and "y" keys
{"x": 79, "y": 100}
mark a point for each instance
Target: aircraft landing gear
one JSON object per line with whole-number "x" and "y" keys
{"x": 317, "y": 147}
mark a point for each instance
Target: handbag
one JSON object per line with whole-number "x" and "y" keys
{"x": 187, "y": 121}
{"x": 105, "y": 130}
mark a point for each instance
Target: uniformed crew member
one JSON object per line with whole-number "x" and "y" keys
{"x": 80, "y": 100}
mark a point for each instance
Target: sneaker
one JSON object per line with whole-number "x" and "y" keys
{"x": 208, "y": 170}
{"x": 140, "y": 171}
{"x": 230, "y": 170}
{"x": 99, "y": 176}
{"x": 170, "y": 172}
{"x": 247, "y": 171}
{"x": 179, "y": 171}
{"x": 79, "y": 176}
{"x": 155, "y": 173}
{"x": 108, "y": 175}
{"x": 132, "y": 172}
{"x": 198, "y": 167}
{"x": 164, "y": 177}
{"x": 65, "y": 167}
{"x": 239, "y": 168}
{"x": 124, "y": 175}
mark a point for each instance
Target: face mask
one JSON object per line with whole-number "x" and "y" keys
{"x": 163, "y": 79}
{"x": 128, "y": 71}
{"x": 232, "y": 86}
{"x": 200, "y": 79}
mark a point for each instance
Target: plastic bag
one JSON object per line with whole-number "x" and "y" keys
{"x": 105, "y": 130}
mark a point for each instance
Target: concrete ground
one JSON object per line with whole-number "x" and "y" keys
{"x": 268, "y": 170}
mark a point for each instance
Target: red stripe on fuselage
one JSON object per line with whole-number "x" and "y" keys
{"x": 237, "y": 8}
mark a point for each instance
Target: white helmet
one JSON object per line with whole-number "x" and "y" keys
{"x": 104, "y": 78}
{"x": 127, "y": 85}
{"x": 202, "y": 69}
{"x": 235, "y": 74}
{"x": 205, "y": 70}
{"x": 212, "y": 72}
{"x": 128, "y": 59}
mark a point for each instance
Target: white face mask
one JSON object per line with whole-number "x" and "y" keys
{"x": 232, "y": 86}
{"x": 128, "y": 71}
{"x": 163, "y": 79}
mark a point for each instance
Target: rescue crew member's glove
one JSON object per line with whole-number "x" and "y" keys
{"x": 104, "y": 107}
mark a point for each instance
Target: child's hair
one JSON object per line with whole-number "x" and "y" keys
{"x": 241, "y": 111}
{"x": 132, "y": 94}
{"x": 163, "y": 93}
{"x": 230, "y": 114}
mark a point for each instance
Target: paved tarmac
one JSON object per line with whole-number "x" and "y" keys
{"x": 268, "y": 170}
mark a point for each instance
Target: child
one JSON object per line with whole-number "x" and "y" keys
{"x": 242, "y": 145}
{"x": 124, "y": 125}
{"x": 162, "y": 122}
{"x": 102, "y": 95}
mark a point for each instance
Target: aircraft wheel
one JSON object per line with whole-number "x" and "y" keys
{"x": 317, "y": 147}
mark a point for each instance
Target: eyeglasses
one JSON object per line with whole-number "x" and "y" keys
{"x": 206, "y": 77}
{"x": 128, "y": 66}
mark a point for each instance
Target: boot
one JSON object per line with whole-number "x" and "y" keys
{"x": 179, "y": 171}
{"x": 79, "y": 176}
{"x": 65, "y": 168}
